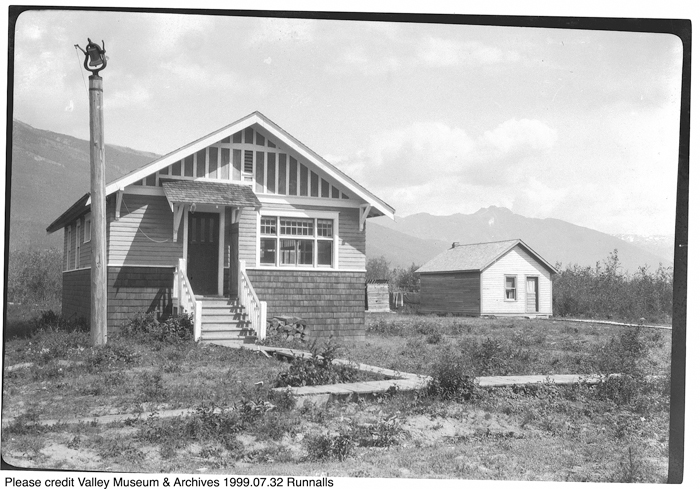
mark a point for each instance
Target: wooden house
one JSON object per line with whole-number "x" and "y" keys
{"x": 502, "y": 278}
{"x": 241, "y": 225}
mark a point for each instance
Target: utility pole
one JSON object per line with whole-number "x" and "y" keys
{"x": 98, "y": 272}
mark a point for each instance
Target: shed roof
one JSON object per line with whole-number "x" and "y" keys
{"x": 200, "y": 192}
{"x": 476, "y": 257}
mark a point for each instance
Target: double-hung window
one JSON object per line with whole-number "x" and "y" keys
{"x": 297, "y": 242}
{"x": 511, "y": 288}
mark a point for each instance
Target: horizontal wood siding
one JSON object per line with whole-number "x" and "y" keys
{"x": 143, "y": 235}
{"x": 351, "y": 252}
{"x": 75, "y": 298}
{"x": 131, "y": 290}
{"x": 331, "y": 303}
{"x": 247, "y": 244}
{"x": 454, "y": 293}
{"x": 520, "y": 263}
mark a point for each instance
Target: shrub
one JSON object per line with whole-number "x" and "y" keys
{"x": 35, "y": 276}
{"x": 451, "y": 378}
{"x": 175, "y": 329}
{"x": 606, "y": 292}
{"x": 624, "y": 353}
{"x": 384, "y": 433}
{"x": 317, "y": 370}
{"x": 330, "y": 446}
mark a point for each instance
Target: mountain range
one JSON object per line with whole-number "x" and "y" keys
{"x": 405, "y": 240}
{"x": 50, "y": 171}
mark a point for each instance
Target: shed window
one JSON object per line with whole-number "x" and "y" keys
{"x": 297, "y": 241}
{"x": 511, "y": 288}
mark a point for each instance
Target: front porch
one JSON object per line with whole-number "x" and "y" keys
{"x": 218, "y": 319}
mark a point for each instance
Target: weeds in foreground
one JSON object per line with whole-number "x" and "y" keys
{"x": 317, "y": 370}
{"x": 451, "y": 377}
{"x": 175, "y": 329}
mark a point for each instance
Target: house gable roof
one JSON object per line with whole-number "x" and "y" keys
{"x": 477, "y": 257}
{"x": 376, "y": 206}
{"x": 255, "y": 118}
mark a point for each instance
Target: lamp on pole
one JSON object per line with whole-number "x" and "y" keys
{"x": 95, "y": 60}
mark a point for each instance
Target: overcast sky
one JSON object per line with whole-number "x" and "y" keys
{"x": 571, "y": 124}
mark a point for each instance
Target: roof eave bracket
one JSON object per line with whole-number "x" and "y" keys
{"x": 364, "y": 212}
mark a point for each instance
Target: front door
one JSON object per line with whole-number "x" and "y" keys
{"x": 532, "y": 294}
{"x": 203, "y": 252}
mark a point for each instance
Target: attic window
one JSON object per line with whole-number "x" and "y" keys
{"x": 511, "y": 288}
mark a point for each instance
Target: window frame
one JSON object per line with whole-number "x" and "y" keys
{"x": 278, "y": 236}
{"x": 77, "y": 243}
{"x": 514, "y": 288}
{"x": 69, "y": 245}
{"x": 87, "y": 230}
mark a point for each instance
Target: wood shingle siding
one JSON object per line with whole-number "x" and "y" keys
{"x": 517, "y": 262}
{"x": 455, "y": 293}
{"x": 131, "y": 290}
{"x": 331, "y": 303}
{"x": 143, "y": 235}
{"x": 75, "y": 297}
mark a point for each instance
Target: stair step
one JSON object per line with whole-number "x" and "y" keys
{"x": 214, "y": 328}
{"x": 226, "y": 335}
{"x": 231, "y": 343}
{"x": 226, "y": 320}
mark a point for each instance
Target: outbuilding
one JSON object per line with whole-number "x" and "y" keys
{"x": 500, "y": 278}
{"x": 377, "y": 298}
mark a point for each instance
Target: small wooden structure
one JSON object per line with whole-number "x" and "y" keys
{"x": 377, "y": 296}
{"x": 501, "y": 278}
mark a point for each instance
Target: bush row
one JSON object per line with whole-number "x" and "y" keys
{"x": 605, "y": 291}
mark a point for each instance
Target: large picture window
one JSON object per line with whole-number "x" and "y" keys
{"x": 296, "y": 241}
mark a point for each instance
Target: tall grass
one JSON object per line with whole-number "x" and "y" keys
{"x": 606, "y": 292}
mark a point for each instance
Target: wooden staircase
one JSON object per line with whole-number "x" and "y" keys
{"x": 225, "y": 322}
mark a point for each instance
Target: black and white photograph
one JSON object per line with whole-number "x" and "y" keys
{"x": 322, "y": 246}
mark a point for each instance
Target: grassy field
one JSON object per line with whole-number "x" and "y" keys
{"x": 613, "y": 432}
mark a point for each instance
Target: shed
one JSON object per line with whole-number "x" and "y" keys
{"x": 499, "y": 278}
{"x": 377, "y": 296}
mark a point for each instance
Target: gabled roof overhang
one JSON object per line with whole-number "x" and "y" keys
{"x": 75, "y": 211}
{"x": 373, "y": 206}
{"x": 377, "y": 206}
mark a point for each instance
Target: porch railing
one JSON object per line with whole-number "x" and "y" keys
{"x": 255, "y": 308}
{"x": 183, "y": 294}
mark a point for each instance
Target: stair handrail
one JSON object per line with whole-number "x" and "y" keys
{"x": 182, "y": 290}
{"x": 254, "y": 307}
